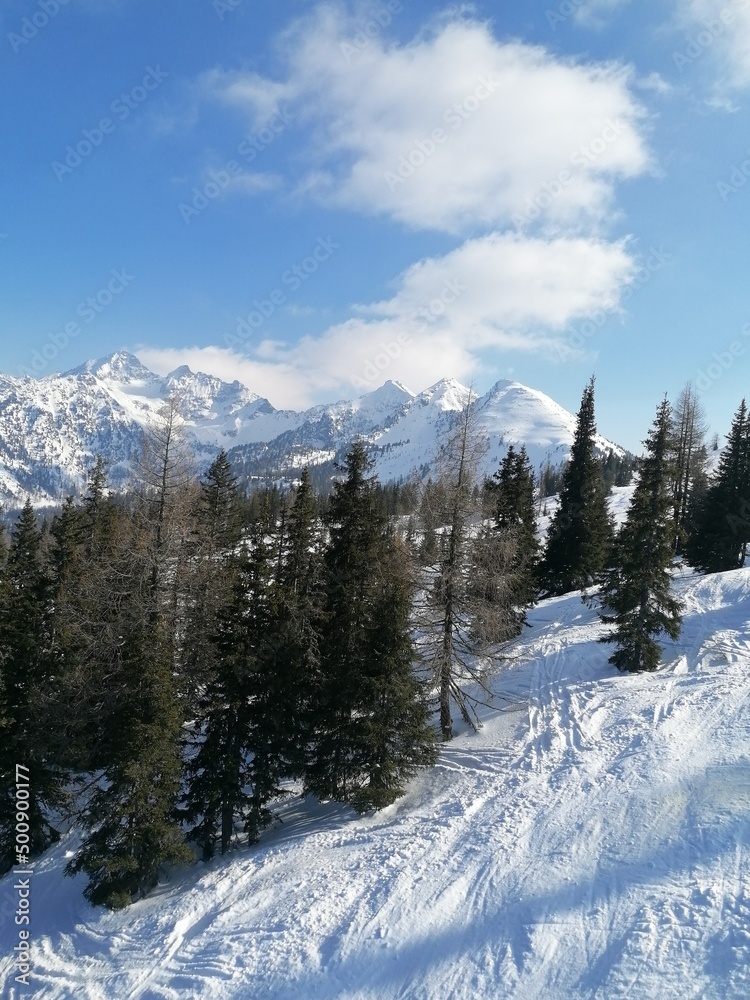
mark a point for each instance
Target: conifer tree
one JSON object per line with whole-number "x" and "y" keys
{"x": 87, "y": 539}
{"x": 580, "y": 534}
{"x": 370, "y": 728}
{"x": 515, "y": 519}
{"x": 636, "y": 593}
{"x": 132, "y": 814}
{"x": 29, "y": 679}
{"x": 219, "y": 789}
{"x": 216, "y": 530}
{"x": 690, "y": 460}
{"x": 292, "y": 650}
{"x": 722, "y": 514}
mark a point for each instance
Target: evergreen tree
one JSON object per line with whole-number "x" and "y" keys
{"x": 636, "y": 592}
{"x": 515, "y": 519}
{"x": 722, "y": 514}
{"x": 216, "y": 530}
{"x": 132, "y": 814}
{"x": 91, "y": 540}
{"x": 29, "y": 680}
{"x": 228, "y": 777}
{"x": 370, "y": 727}
{"x": 293, "y": 645}
{"x": 580, "y": 534}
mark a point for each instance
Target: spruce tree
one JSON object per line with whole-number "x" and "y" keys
{"x": 370, "y": 727}
{"x": 580, "y": 534}
{"x": 293, "y": 645}
{"x": 636, "y": 593}
{"x": 244, "y": 721}
{"x": 722, "y": 514}
{"x": 515, "y": 519}
{"x": 132, "y": 814}
{"x": 29, "y": 684}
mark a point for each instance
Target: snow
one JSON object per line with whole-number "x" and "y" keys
{"x": 52, "y": 428}
{"x": 590, "y": 841}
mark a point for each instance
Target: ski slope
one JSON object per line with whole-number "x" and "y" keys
{"x": 590, "y": 841}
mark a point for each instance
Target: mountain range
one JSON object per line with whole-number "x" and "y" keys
{"x": 52, "y": 428}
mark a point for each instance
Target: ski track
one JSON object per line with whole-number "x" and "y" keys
{"x": 592, "y": 846}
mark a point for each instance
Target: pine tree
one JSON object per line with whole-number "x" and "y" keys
{"x": 293, "y": 646}
{"x": 370, "y": 728}
{"x": 132, "y": 814}
{"x": 216, "y": 530}
{"x": 515, "y": 519}
{"x": 636, "y": 592}
{"x": 722, "y": 514}
{"x": 580, "y": 534}
{"x": 29, "y": 681}
{"x": 131, "y": 817}
{"x": 91, "y": 540}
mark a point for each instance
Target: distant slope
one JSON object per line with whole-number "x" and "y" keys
{"x": 590, "y": 842}
{"x": 51, "y": 429}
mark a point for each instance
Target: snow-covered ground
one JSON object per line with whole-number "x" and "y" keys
{"x": 592, "y": 841}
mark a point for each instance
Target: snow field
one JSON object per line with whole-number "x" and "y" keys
{"x": 590, "y": 841}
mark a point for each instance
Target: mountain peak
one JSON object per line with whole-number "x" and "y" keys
{"x": 390, "y": 393}
{"x": 448, "y": 394}
{"x": 121, "y": 366}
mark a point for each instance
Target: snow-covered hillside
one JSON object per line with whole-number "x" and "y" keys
{"x": 589, "y": 842}
{"x": 51, "y": 429}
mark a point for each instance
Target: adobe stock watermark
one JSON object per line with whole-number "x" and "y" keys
{"x": 392, "y": 350}
{"x": 87, "y": 312}
{"x": 709, "y": 33}
{"x": 292, "y": 280}
{"x": 23, "y": 871}
{"x": 738, "y": 178}
{"x": 31, "y": 26}
{"x": 722, "y": 361}
{"x": 551, "y": 190}
{"x": 121, "y": 108}
{"x": 454, "y": 117}
{"x": 220, "y": 180}
{"x": 593, "y": 322}
{"x": 566, "y": 9}
{"x": 224, "y": 7}
{"x": 368, "y": 29}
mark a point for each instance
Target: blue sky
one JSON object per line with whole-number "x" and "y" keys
{"x": 314, "y": 198}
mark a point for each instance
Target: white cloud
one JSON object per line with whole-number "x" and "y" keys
{"x": 595, "y": 13}
{"x": 501, "y": 291}
{"x": 257, "y": 96}
{"x": 719, "y": 30}
{"x": 455, "y": 131}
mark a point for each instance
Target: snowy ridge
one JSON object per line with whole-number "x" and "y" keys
{"x": 51, "y": 429}
{"x": 589, "y": 842}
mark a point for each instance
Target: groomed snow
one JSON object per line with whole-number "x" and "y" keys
{"x": 590, "y": 841}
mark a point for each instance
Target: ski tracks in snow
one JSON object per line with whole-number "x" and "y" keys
{"x": 591, "y": 846}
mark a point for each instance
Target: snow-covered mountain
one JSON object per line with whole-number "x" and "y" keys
{"x": 52, "y": 428}
{"x": 590, "y": 842}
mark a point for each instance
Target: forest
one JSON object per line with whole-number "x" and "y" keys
{"x": 176, "y": 658}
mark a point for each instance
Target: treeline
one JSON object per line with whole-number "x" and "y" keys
{"x": 175, "y": 659}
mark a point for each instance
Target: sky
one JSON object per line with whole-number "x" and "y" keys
{"x": 314, "y": 198}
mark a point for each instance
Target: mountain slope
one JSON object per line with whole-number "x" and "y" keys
{"x": 591, "y": 841}
{"x": 51, "y": 429}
